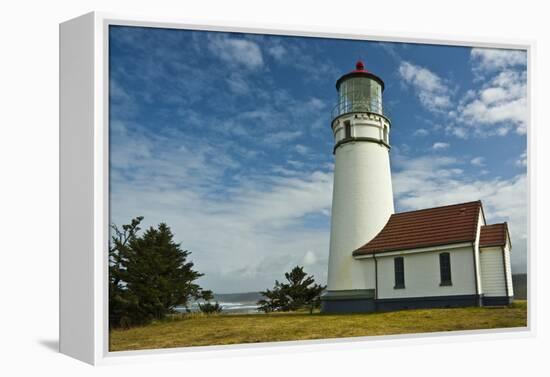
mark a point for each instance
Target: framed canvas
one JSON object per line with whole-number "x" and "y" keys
{"x": 237, "y": 189}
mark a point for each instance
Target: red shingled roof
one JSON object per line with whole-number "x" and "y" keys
{"x": 493, "y": 235}
{"x": 426, "y": 227}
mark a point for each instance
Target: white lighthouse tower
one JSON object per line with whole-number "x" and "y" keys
{"x": 362, "y": 199}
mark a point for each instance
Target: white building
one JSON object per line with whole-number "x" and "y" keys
{"x": 379, "y": 260}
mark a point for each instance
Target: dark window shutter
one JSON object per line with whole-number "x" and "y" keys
{"x": 399, "y": 272}
{"x": 445, "y": 268}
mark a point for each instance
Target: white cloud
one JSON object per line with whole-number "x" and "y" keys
{"x": 295, "y": 164}
{"x": 280, "y": 170}
{"x": 309, "y": 258}
{"x": 315, "y": 104}
{"x": 121, "y": 102}
{"x": 460, "y": 132}
{"x": 390, "y": 49}
{"x": 421, "y": 132}
{"x": 497, "y": 59}
{"x": 429, "y": 87}
{"x": 237, "y": 84}
{"x": 277, "y": 51}
{"x": 440, "y": 145}
{"x": 522, "y": 160}
{"x": 501, "y": 103}
{"x": 283, "y": 136}
{"x": 478, "y": 161}
{"x": 496, "y": 108}
{"x": 302, "y": 149}
{"x": 296, "y": 56}
{"x": 236, "y": 51}
{"x": 492, "y": 95}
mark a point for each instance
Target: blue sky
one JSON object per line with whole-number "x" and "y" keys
{"x": 226, "y": 138}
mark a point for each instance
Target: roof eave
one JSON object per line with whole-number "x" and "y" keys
{"x": 357, "y": 253}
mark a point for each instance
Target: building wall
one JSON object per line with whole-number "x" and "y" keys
{"x": 492, "y": 272}
{"x": 369, "y": 273}
{"x": 496, "y": 271}
{"x": 361, "y": 205}
{"x": 422, "y": 274}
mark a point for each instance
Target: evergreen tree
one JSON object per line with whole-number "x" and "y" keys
{"x": 299, "y": 291}
{"x": 150, "y": 275}
{"x": 302, "y": 290}
{"x": 275, "y": 299}
{"x": 120, "y": 299}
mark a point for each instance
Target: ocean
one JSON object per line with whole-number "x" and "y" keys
{"x": 227, "y": 307}
{"x": 232, "y": 303}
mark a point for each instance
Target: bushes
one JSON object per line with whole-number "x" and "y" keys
{"x": 209, "y": 308}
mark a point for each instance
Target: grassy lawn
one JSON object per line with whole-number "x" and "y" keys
{"x": 200, "y": 330}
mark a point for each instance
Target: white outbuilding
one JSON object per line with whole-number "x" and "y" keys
{"x": 380, "y": 260}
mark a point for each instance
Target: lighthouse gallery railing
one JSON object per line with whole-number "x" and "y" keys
{"x": 358, "y": 105}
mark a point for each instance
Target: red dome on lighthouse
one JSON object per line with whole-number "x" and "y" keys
{"x": 360, "y": 66}
{"x": 359, "y": 71}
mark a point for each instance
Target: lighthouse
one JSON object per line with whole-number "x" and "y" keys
{"x": 445, "y": 256}
{"x": 362, "y": 200}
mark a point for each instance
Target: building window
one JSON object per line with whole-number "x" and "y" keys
{"x": 445, "y": 268}
{"x": 347, "y": 128}
{"x": 399, "y": 273}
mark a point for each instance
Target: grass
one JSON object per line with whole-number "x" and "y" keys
{"x": 201, "y": 330}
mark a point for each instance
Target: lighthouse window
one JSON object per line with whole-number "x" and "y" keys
{"x": 347, "y": 130}
{"x": 445, "y": 268}
{"x": 399, "y": 273}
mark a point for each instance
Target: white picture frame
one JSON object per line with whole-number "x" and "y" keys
{"x": 84, "y": 190}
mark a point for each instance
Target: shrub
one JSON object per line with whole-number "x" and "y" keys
{"x": 209, "y": 308}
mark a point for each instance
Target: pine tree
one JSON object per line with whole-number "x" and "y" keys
{"x": 120, "y": 300}
{"x": 151, "y": 276}
{"x": 275, "y": 299}
{"x": 299, "y": 291}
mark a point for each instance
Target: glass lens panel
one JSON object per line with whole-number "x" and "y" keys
{"x": 359, "y": 94}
